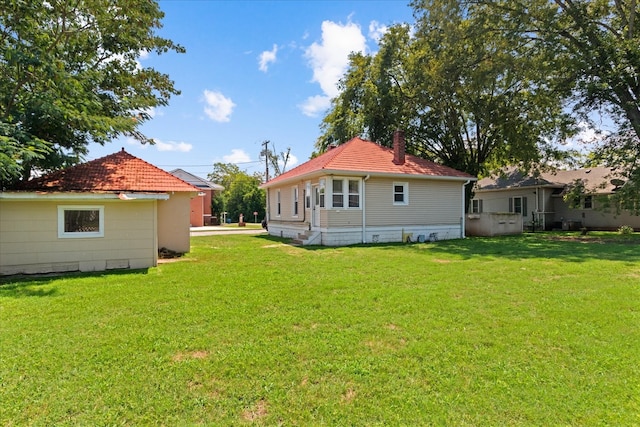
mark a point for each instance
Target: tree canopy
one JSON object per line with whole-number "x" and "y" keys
{"x": 242, "y": 194}
{"x": 594, "y": 49}
{"x": 467, "y": 96}
{"x": 70, "y": 75}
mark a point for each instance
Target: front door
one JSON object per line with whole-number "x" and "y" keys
{"x": 315, "y": 216}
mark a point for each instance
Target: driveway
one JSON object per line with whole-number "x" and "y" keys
{"x": 224, "y": 229}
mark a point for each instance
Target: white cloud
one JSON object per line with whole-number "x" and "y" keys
{"x": 586, "y": 137}
{"x": 182, "y": 147}
{"x": 219, "y": 107}
{"x": 330, "y": 58}
{"x": 377, "y": 30}
{"x": 267, "y": 57}
{"x": 237, "y": 156}
{"x": 314, "y": 105}
{"x": 293, "y": 160}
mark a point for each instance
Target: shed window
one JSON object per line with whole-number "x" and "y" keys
{"x": 80, "y": 221}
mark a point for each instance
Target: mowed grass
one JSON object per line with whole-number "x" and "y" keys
{"x": 247, "y": 330}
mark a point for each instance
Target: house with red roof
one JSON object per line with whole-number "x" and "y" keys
{"x": 110, "y": 213}
{"x": 361, "y": 192}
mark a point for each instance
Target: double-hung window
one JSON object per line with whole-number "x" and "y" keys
{"x": 588, "y": 202}
{"x": 345, "y": 193}
{"x": 354, "y": 193}
{"x": 518, "y": 205}
{"x": 294, "y": 197}
{"x": 338, "y": 195}
{"x": 400, "y": 193}
{"x": 278, "y": 204}
{"x": 476, "y": 206}
{"x": 80, "y": 221}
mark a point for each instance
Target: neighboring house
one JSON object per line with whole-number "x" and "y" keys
{"x": 112, "y": 212}
{"x": 201, "y": 205}
{"x": 361, "y": 192}
{"x": 540, "y": 199}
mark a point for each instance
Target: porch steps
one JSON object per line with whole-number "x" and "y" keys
{"x": 306, "y": 238}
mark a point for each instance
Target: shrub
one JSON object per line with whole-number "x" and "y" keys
{"x": 625, "y": 229}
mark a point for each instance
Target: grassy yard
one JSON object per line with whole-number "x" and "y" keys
{"x": 246, "y": 330}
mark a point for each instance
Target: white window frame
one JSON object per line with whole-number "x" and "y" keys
{"x": 295, "y": 206}
{"x": 80, "y": 234}
{"x": 307, "y": 195}
{"x": 349, "y": 193}
{"x": 405, "y": 193}
{"x": 334, "y": 193}
{"x": 278, "y": 204}
{"x": 476, "y": 206}
{"x": 322, "y": 193}
{"x": 523, "y": 205}
{"x": 345, "y": 193}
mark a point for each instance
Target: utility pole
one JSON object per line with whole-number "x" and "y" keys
{"x": 266, "y": 159}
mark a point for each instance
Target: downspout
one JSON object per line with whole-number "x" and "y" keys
{"x": 464, "y": 199}
{"x": 537, "y": 208}
{"x": 364, "y": 209}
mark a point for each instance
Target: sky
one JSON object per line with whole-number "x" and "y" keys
{"x": 253, "y": 71}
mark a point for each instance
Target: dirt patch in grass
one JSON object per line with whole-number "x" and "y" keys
{"x": 259, "y": 410}
{"x": 169, "y": 260}
{"x": 349, "y": 395}
{"x": 198, "y": 354}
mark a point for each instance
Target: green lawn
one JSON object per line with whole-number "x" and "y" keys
{"x": 247, "y": 330}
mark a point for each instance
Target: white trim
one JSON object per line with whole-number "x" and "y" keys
{"x": 345, "y": 192}
{"x": 295, "y": 201}
{"x": 405, "y": 192}
{"x": 80, "y": 235}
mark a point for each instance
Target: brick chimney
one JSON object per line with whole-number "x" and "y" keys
{"x": 398, "y": 147}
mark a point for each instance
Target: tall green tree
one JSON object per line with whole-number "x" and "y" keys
{"x": 593, "y": 48}
{"x": 242, "y": 194}
{"x": 70, "y": 75}
{"x": 467, "y": 97}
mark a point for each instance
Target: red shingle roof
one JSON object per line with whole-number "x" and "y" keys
{"x": 118, "y": 172}
{"x": 358, "y": 155}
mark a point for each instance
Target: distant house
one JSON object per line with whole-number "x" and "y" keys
{"x": 200, "y": 206}
{"x": 361, "y": 192}
{"x": 109, "y": 213}
{"x": 540, "y": 199}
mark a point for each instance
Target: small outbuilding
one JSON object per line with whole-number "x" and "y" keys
{"x": 362, "y": 192}
{"x": 114, "y": 212}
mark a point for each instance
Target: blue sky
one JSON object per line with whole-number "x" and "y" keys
{"x": 253, "y": 71}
